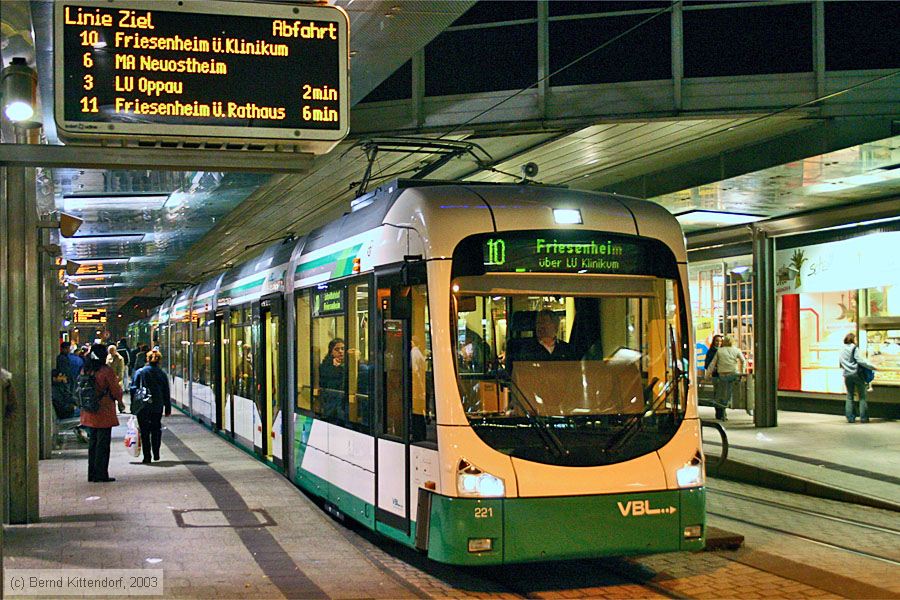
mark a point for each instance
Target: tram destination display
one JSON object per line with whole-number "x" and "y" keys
{"x": 202, "y": 70}
{"x": 550, "y": 251}
{"x": 563, "y": 251}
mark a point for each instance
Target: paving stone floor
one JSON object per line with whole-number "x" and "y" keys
{"x": 223, "y": 496}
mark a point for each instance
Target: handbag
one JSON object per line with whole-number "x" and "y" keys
{"x": 140, "y": 396}
{"x": 864, "y": 373}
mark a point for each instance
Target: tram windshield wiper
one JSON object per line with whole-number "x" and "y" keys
{"x": 672, "y": 386}
{"x": 551, "y": 441}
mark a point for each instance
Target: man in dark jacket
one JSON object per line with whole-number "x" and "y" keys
{"x": 150, "y": 416}
{"x": 122, "y": 348}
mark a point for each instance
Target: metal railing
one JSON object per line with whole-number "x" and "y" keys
{"x": 718, "y": 427}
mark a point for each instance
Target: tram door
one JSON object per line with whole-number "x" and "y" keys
{"x": 226, "y": 372}
{"x": 219, "y": 373}
{"x": 270, "y": 397}
{"x": 395, "y": 428}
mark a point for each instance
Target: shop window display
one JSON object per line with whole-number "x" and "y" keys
{"x": 879, "y": 325}
{"x": 722, "y": 303}
{"x": 828, "y": 290}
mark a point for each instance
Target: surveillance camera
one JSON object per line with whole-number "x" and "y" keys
{"x": 529, "y": 170}
{"x": 68, "y": 224}
{"x": 72, "y": 267}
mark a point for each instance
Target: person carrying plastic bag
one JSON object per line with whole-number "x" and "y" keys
{"x": 133, "y": 437}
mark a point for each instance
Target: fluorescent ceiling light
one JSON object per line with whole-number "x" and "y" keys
{"x": 88, "y": 276}
{"x": 711, "y": 218}
{"x": 106, "y": 202}
{"x": 102, "y": 261}
{"x": 99, "y": 286}
{"x": 111, "y": 237}
{"x": 567, "y": 216}
{"x": 94, "y": 301}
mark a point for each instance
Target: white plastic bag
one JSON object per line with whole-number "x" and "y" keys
{"x": 133, "y": 437}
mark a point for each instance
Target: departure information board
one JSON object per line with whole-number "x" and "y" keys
{"x": 90, "y": 315}
{"x": 202, "y": 69}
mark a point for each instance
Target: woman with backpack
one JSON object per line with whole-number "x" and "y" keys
{"x": 98, "y": 393}
{"x": 850, "y": 362}
{"x": 156, "y": 382}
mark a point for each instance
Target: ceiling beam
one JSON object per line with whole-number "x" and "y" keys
{"x": 158, "y": 159}
{"x": 820, "y": 137}
{"x": 870, "y": 210}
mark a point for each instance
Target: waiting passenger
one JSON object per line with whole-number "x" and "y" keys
{"x": 545, "y": 345}
{"x": 116, "y": 362}
{"x": 850, "y": 362}
{"x": 709, "y": 373}
{"x": 152, "y": 377}
{"x": 61, "y": 395}
{"x": 100, "y": 423}
{"x": 729, "y": 363}
{"x": 331, "y": 379}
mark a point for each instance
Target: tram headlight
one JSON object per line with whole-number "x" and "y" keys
{"x": 690, "y": 475}
{"x": 473, "y": 482}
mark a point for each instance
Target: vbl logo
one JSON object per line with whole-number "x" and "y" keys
{"x": 638, "y": 508}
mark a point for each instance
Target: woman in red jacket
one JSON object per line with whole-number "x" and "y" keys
{"x": 100, "y": 423}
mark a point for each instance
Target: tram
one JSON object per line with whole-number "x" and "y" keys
{"x": 488, "y": 373}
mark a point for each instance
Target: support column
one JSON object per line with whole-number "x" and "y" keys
{"x": 765, "y": 360}
{"x": 677, "y": 54}
{"x": 23, "y": 339}
{"x": 818, "y": 29}
{"x": 543, "y": 55}
{"x": 418, "y": 88}
{"x": 4, "y": 350}
{"x": 49, "y": 330}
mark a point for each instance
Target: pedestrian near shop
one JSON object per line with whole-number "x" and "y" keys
{"x": 850, "y": 362}
{"x": 729, "y": 363}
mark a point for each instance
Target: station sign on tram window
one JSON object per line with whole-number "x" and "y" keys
{"x": 561, "y": 252}
{"x": 201, "y": 69}
{"x": 90, "y": 315}
{"x": 328, "y": 302}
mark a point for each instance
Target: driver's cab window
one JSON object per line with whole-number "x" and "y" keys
{"x": 567, "y": 355}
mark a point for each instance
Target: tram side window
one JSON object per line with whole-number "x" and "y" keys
{"x": 304, "y": 382}
{"x": 201, "y": 352}
{"x": 329, "y": 352}
{"x": 359, "y": 368}
{"x": 177, "y": 349}
{"x": 243, "y": 375}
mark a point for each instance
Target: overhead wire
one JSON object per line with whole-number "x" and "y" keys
{"x": 379, "y": 177}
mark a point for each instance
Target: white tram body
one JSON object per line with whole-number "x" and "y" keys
{"x": 409, "y": 345}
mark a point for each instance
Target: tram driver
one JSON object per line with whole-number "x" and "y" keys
{"x": 545, "y": 345}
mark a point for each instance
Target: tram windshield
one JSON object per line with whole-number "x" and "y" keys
{"x": 571, "y": 369}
